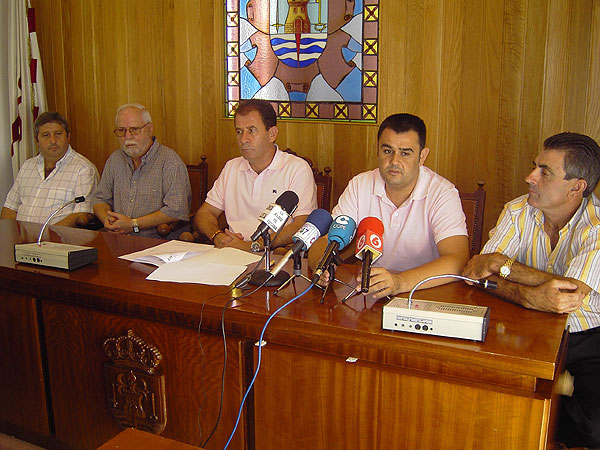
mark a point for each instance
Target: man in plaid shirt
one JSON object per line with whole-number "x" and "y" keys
{"x": 57, "y": 175}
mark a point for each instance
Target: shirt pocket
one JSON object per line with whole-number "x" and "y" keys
{"x": 55, "y": 197}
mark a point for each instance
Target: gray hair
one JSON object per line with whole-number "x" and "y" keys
{"x": 581, "y": 157}
{"x": 145, "y": 113}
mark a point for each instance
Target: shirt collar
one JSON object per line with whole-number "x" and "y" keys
{"x": 539, "y": 215}
{"x": 65, "y": 158}
{"x": 147, "y": 156}
{"x": 276, "y": 163}
{"x": 419, "y": 192}
{"x": 585, "y": 201}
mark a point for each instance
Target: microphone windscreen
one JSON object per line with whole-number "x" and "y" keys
{"x": 370, "y": 223}
{"x": 342, "y": 231}
{"x": 288, "y": 201}
{"x": 321, "y": 219}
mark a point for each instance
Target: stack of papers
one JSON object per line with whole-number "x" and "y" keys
{"x": 186, "y": 262}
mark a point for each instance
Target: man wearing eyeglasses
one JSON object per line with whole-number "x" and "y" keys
{"x": 143, "y": 183}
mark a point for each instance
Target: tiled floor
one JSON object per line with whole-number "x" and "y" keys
{"x": 10, "y": 443}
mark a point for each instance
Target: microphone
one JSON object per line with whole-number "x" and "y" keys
{"x": 486, "y": 284}
{"x": 369, "y": 247}
{"x": 55, "y": 254}
{"x": 316, "y": 225}
{"x": 79, "y": 199}
{"x": 340, "y": 234}
{"x": 276, "y": 214}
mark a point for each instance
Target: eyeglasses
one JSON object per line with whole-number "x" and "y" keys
{"x": 122, "y": 131}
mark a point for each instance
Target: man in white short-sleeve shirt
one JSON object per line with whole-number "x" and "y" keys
{"x": 424, "y": 225}
{"x": 248, "y": 183}
{"x": 51, "y": 179}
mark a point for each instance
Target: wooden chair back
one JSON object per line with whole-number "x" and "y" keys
{"x": 323, "y": 180}
{"x": 473, "y": 204}
{"x": 199, "y": 181}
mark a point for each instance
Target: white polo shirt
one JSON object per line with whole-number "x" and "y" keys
{"x": 432, "y": 212}
{"x": 243, "y": 194}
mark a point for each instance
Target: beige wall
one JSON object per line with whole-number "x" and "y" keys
{"x": 491, "y": 79}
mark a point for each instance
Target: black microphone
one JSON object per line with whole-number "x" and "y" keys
{"x": 276, "y": 214}
{"x": 79, "y": 199}
{"x": 340, "y": 234}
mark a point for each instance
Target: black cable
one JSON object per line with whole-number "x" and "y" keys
{"x": 236, "y": 285}
{"x": 225, "y": 355}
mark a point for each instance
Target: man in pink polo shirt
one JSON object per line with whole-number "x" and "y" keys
{"x": 248, "y": 183}
{"x": 424, "y": 225}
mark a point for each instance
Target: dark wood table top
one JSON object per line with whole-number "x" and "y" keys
{"x": 520, "y": 341}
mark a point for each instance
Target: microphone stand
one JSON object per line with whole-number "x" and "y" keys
{"x": 484, "y": 283}
{"x": 263, "y": 277}
{"x": 331, "y": 269}
{"x": 297, "y": 273}
{"x": 75, "y": 200}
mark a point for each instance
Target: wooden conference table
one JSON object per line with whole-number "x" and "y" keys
{"x": 67, "y": 362}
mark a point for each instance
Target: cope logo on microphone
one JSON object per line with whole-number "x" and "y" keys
{"x": 340, "y": 222}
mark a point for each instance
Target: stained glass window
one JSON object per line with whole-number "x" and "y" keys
{"x": 313, "y": 59}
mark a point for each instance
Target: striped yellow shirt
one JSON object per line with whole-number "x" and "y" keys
{"x": 520, "y": 234}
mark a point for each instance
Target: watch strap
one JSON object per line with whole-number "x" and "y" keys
{"x": 214, "y": 235}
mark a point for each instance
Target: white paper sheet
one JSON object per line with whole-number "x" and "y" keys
{"x": 193, "y": 271}
{"x": 185, "y": 262}
{"x": 170, "y": 247}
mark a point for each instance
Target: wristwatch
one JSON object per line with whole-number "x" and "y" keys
{"x": 136, "y": 227}
{"x": 505, "y": 268}
{"x": 255, "y": 247}
{"x": 212, "y": 238}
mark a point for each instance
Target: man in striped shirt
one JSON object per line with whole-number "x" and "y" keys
{"x": 545, "y": 254}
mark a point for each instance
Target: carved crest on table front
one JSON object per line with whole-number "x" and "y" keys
{"x": 135, "y": 388}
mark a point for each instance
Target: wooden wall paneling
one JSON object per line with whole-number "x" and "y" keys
{"x": 577, "y": 66}
{"x": 22, "y": 390}
{"x": 472, "y": 80}
{"x": 557, "y": 52}
{"x": 355, "y": 151}
{"x": 451, "y": 89}
{"x": 485, "y": 119}
{"x": 75, "y": 348}
{"x": 60, "y": 55}
{"x": 592, "y": 122}
{"x": 325, "y": 151}
{"x": 82, "y": 72}
{"x": 530, "y": 138}
{"x": 490, "y": 79}
{"x": 429, "y": 93}
{"x": 507, "y": 152}
{"x": 111, "y": 76}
